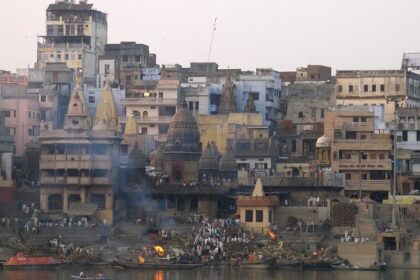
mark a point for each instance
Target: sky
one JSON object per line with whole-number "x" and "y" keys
{"x": 281, "y": 34}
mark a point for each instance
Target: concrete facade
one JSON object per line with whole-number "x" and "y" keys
{"x": 371, "y": 88}
{"x": 22, "y": 121}
{"x": 75, "y": 34}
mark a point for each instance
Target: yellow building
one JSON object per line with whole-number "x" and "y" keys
{"x": 220, "y": 128}
{"x": 257, "y": 211}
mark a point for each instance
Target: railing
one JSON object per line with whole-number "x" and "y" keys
{"x": 162, "y": 119}
{"x": 365, "y": 164}
{"x": 372, "y": 144}
{"x": 368, "y": 185}
{"x": 149, "y": 101}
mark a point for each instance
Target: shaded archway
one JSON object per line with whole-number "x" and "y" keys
{"x": 55, "y": 202}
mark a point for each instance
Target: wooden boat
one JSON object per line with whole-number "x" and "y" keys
{"x": 88, "y": 278}
{"x": 266, "y": 264}
{"x": 22, "y": 261}
{"x": 157, "y": 265}
{"x": 376, "y": 267}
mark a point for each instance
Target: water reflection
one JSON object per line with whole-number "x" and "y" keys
{"x": 214, "y": 274}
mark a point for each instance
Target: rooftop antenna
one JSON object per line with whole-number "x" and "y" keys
{"x": 211, "y": 44}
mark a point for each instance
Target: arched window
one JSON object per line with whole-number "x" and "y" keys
{"x": 145, "y": 114}
{"x": 136, "y": 113}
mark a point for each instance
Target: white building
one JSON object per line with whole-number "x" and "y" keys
{"x": 201, "y": 98}
{"x": 265, "y": 88}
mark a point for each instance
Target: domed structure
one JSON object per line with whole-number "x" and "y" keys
{"x": 323, "y": 151}
{"x": 182, "y": 149}
{"x": 228, "y": 168}
{"x": 323, "y": 142}
{"x": 208, "y": 165}
{"x": 156, "y": 159}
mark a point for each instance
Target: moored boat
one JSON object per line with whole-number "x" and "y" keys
{"x": 157, "y": 265}
{"x": 381, "y": 266}
{"x": 22, "y": 261}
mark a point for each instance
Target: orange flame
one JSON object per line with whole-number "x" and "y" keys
{"x": 159, "y": 250}
{"x": 159, "y": 275}
{"x": 272, "y": 235}
{"x": 141, "y": 259}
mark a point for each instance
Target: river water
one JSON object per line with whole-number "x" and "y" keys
{"x": 214, "y": 274}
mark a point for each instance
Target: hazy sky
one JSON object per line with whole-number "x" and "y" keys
{"x": 282, "y": 34}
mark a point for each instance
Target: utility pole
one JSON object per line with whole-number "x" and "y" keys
{"x": 211, "y": 45}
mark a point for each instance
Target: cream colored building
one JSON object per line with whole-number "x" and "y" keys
{"x": 359, "y": 149}
{"x": 370, "y": 87}
{"x": 257, "y": 211}
{"x": 152, "y": 108}
{"x": 75, "y": 34}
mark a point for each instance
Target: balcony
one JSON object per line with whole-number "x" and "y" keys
{"x": 149, "y": 120}
{"x": 368, "y": 185}
{"x": 371, "y": 164}
{"x": 149, "y": 101}
{"x": 101, "y": 181}
{"x": 358, "y": 126}
{"x": 269, "y": 103}
{"x": 367, "y": 145}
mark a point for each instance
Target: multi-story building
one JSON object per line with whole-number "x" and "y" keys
{"x": 75, "y": 34}
{"x": 12, "y": 84}
{"x": 22, "y": 120}
{"x": 371, "y": 87}
{"x": 152, "y": 106}
{"x": 360, "y": 149}
{"x": 264, "y": 87}
{"x": 80, "y": 162}
{"x": 123, "y": 63}
{"x": 310, "y": 73}
{"x": 202, "y": 98}
{"x": 54, "y": 95}
{"x": 411, "y": 62}
{"x": 408, "y": 147}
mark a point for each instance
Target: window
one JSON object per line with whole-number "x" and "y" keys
{"x": 125, "y": 58}
{"x": 106, "y": 69}
{"x": 382, "y": 88}
{"x": 340, "y": 88}
{"x": 60, "y": 30}
{"x": 50, "y": 30}
{"x": 79, "y": 56}
{"x": 347, "y": 156}
{"x": 249, "y": 216}
{"x": 366, "y": 88}
{"x": 29, "y": 114}
{"x": 381, "y": 156}
{"x": 363, "y": 119}
{"x": 66, "y": 56}
{"x": 300, "y": 114}
{"x": 197, "y": 105}
{"x": 91, "y": 99}
{"x": 373, "y": 88}
{"x": 190, "y": 105}
{"x": 348, "y": 176}
{"x": 397, "y": 87}
{"x": 43, "y": 98}
{"x": 372, "y": 156}
{"x": 322, "y": 113}
{"x": 136, "y": 77}
{"x": 293, "y": 148}
{"x": 259, "y": 216}
{"x": 270, "y": 216}
{"x": 58, "y": 55}
{"x": 137, "y": 58}
{"x": 144, "y": 130}
{"x": 418, "y": 135}
{"x": 405, "y": 135}
{"x": 80, "y": 29}
{"x": 364, "y": 176}
{"x": 355, "y": 119}
{"x": 350, "y": 88}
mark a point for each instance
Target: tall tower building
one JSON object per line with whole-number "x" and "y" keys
{"x": 75, "y": 34}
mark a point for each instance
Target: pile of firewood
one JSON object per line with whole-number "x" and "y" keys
{"x": 343, "y": 214}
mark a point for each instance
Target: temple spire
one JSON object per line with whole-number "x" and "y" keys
{"x": 228, "y": 100}
{"x": 106, "y": 112}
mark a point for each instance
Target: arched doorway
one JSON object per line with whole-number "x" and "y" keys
{"x": 145, "y": 114}
{"x": 177, "y": 174}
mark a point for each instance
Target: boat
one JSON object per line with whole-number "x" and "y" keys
{"x": 89, "y": 278}
{"x": 265, "y": 264}
{"x": 381, "y": 266}
{"x": 157, "y": 265}
{"x": 22, "y": 261}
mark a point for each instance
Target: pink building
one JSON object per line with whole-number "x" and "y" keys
{"x": 22, "y": 120}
